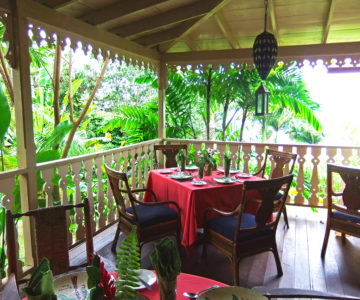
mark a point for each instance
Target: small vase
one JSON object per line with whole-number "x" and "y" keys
{"x": 207, "y": 169}
{"x": 201, "y": 173}
{"x": 167, "y": 289}
{"x": 182, "y": 166}
{"x": 227, "y": 169}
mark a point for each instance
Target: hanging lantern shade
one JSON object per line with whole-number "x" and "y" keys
{"x": 261, "y": 101}
{"x": 264, "y": 53}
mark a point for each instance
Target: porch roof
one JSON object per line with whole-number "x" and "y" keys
{"x": 206, "y": 31}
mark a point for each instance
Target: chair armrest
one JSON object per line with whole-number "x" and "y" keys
{"x": 345, "y": 210}
{"x": 145, "y": 190}
{"x": 220, "y": 212}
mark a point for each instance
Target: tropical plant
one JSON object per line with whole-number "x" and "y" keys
{"x": 128, "y": 261}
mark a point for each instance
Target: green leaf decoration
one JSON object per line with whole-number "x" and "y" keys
{"x": 166, "y": 259}
{"x": 5, "y": 115}
{"x": 128, "y": 262}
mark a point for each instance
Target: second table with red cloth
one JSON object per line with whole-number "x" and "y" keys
{"x": 193, "y": 200}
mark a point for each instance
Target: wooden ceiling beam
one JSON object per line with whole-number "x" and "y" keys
{"x": 166, "y": 35}
{"x": 173, "y": 16}
{"x": 117, "y": 10}
{"x": 56, "y": 3}
{"x": 77, "y": 29}
{"x": 226, "y": 30}
{"x": 284, "y": 52}
{"x": 328, "y": 21}
{"x": 215, "y": 5}
{"x": 273, "y": 20}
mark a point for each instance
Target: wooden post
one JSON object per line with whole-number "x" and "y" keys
{"x": 24, "y": 123}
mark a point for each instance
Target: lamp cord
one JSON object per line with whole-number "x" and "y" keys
{"x": 266, "y": 5}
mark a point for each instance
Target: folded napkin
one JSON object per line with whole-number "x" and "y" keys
{"x": 41, "y": 284}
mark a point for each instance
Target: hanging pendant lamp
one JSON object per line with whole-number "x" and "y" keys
{"x": 264, "y": 54}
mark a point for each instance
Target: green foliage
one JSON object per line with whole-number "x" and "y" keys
{"x": 166, "y": 259}
{"x": 128, "y": 262}
{"x": 5, "y": 115}
{"x": 57, "y": 135}
{"x": 94, "y": 279}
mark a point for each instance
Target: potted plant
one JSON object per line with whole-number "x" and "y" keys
{"x": 207, "y": 159}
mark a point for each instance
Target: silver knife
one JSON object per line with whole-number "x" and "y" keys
{"x": 144, "y": 283}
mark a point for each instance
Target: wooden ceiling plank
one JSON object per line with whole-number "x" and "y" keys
{"x": 226, "y": 30}
{"x": 190, "y": 43}
{"x": 328, "y": 21}
{"x": 118, "y": 10}
{"x": 165, "y": 35}
{"x": 216, "y": 6}
{"x": 273, "y": 20}
{"x": 74, "y": 27}
{"x": 166, "y": 18}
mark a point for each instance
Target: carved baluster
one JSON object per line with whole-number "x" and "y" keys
{"x": 331, "y": 153}
{"x": 260, "y": 149}
{"x": 313, "y": 200}
{"x": 221, "y": 148}
{"x": 299, "y": 198}
{"x": 139, "y": 168}
{"x": 117, "y": 160}
{"x": 133, "y": 174}
{"x": 346, "y": 152}
{"x": 47, "y": 176}
{"x": 109, "y": 194}
{"x": 63, "y": 184}
{"x": 80, "y": 230}
{"x": 100, "y": 192}
{"x": 246, "y": 149}
{"x": 146, "y": 163}
{"x": 88, "y": 166}
{"x": 233, "y": 149}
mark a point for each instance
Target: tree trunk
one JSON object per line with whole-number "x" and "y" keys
{"x": 208, "y": 96}
{"x": 6, "y": 76}
{"x": 263, "y": 130}
{"x": 244, "y": 116}
{"x": 77, "y": 123}
{"x": 226, "y": 107}
{"x": 56, "y": 83}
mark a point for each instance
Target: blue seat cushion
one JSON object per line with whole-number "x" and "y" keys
{"x": 345, "y": 217}
{"x": 278, "y": 196}
{"x": 226, "y": 226}
{"x": 150, "y": 215}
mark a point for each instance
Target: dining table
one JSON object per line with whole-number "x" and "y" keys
{"x": 185, "y": 283}
{"x": 194, "y": 199}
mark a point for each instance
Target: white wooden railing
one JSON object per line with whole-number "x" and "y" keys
{"x": 70, "y": 180}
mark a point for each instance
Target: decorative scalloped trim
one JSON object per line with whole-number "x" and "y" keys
{"x": 47, "y": 34}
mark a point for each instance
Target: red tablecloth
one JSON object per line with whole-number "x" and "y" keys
{"x": 185, "y": 283}
{"x": 193, "y": 200}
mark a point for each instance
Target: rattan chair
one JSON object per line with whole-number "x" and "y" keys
{"x": 284, "y": 165}
{"x": 238, "y": 234}
{"x": 51, "y": 237}
{"x": 170, "y": 152}
{"x": 153, "y": 220}
{"x": 342, "y": 216}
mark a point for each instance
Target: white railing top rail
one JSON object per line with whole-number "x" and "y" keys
{"x": 12, "y": 173}
{"x": 65, "y": 161}
{"x": 266, "y": 144}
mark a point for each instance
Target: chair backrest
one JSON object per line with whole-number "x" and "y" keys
{"x": 51, "y": 232}
{"x": 265, "y": 191}
{"x": 284, "y": 163}
{"x": 170, "y": 152}
{"x": 116, "y": 180}
{"x": 350, "y": 192}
